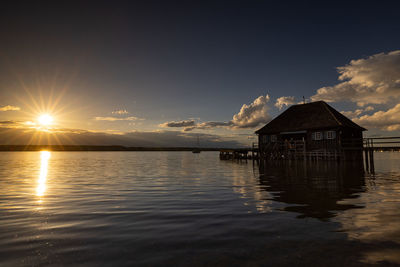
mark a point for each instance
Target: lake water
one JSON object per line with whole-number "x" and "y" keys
{"x": 184, "y": 209}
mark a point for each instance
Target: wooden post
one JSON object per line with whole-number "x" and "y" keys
{"x": 366, "y": 154}
{"x": 371, "y": 157}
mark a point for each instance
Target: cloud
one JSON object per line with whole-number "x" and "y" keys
{"x": 352, "y": 114}
{"x": 252, "y": 115}
{"x": 189, "y": 125}
{"x": 249, "y": 116}
{"x": 355, "y": 113}
{"x": 185, "y": 123}
{"x": 16, "y": 124}
{"x": 213, "y": 124}
{"x": 283, "y": 101}
{"x": 386, "y": 120}
{"x": 117, "y": 119}
{"x": 188, "y": 129}
{"x": 7, "y": 123}
{"x": 120, "y": 112}
{"x": 9, "y": 108}
{"x": 372, "y": 80}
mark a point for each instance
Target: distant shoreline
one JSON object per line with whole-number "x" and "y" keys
{"x": 125, "y": 148}
{"x": 96, "y": 148}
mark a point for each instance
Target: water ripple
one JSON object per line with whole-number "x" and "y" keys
{"x": 179, "y": 208}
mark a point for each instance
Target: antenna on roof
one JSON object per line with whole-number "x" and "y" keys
{"x": 304, "y": 100}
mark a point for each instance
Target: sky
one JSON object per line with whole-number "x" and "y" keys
{"x": 166, "y": 72}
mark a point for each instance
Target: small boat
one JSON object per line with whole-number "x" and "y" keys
{"x": 197, "y": 149}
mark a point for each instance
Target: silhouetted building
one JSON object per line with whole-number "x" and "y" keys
{"x": 312, "y": 130}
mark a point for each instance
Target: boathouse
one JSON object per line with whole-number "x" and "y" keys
{"x": 312, "y": 130}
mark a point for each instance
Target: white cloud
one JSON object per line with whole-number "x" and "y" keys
{"x": 283, "y": 101}
{"x": 386, "y": 120}
{"x": 120, "y": 112}
{"x": 252, "y": 115}
{"x": 117, "y": 119}
{"x": 369, "y": 108}
{"x": 352, "y": 114}
{"x": 9, "y": 108}
{"x": 372, "y": 80}
{"x": 249, "y": 116}
{"x": 355, "y": 113}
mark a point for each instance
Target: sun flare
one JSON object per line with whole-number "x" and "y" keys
{"x": 45, "y": 119}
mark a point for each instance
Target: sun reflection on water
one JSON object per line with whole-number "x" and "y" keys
{"x": 41, "y": 187}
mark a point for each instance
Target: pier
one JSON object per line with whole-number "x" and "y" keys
{"x": 240, "y": 153}
{"x": 371, "y": 144}
{"x": 349, "y": 150}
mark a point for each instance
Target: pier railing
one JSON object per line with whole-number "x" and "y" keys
{"x": 387, "y": 143}
{"x": 371, "y": 144}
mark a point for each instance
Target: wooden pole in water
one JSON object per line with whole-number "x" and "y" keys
{"x": 371, "y": 157}
{"x": 366, "y": 154}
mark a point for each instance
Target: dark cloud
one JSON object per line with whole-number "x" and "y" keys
{"x": 185, "y": 123}
{"x": 188, "y": 129}
{"x": 7, "y": 122}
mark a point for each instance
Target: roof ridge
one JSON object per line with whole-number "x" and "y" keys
{"x": 308, "y": 116}
{"x": 330, "y": 112}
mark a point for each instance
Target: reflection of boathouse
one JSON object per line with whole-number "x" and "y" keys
{"x": 317, "y": 190}
{"x": 314, "y": 130}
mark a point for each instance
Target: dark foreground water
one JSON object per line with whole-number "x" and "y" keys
{"x": 184, "y": 209}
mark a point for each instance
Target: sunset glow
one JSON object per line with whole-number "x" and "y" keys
{"x": 45, "y": 119}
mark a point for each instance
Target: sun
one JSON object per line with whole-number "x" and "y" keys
{"x": 45, "y": 119}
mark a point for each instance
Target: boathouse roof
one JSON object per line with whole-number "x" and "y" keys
{"x": 314, "y": 115}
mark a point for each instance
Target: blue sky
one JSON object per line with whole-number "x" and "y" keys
{"x": 201, "y": 61}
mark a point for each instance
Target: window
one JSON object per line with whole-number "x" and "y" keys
{"x": 273, "y": 138}
{"x": 317, "y": 136}
{"x": 330, "y": 135}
